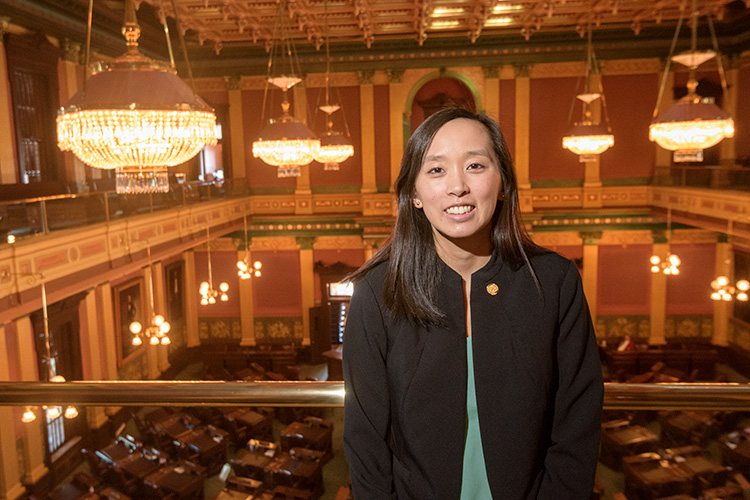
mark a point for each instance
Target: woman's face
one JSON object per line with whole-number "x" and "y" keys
{"x": 459, "y": 183}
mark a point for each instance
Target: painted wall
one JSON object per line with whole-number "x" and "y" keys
{"x": 624, "y": 280}
{"x": 382, "y": 135}
{"x": 689, "y": 291}
{"x": 278, "y": 292}
{"x": 742, "y": 118}
{"x": 506, "y": 117}
{"x": 223, "y": 269}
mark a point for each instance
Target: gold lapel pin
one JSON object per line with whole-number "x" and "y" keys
{"x": 492, "y": 289}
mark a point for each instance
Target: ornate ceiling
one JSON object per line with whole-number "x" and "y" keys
{"x": 232, "y": 36}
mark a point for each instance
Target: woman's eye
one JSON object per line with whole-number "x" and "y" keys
{"x": 475, "y": 166}
{"x": 435, "y": 170}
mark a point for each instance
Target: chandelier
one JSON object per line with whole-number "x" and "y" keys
{"x": 206, "y": 288}
{"x": 587, "y": 138}
{"x": 334, "y": 147}
{"x": 157, "y": 331}
{"x": 723, "y": 291}
{"x": 51, "y": 412}
{"x": 285, "y": 143}
{"x": 245, "y": 270}
{"x": 671, "y": 265}
{"x": 694, "y": 123}
{"x": 136, "y": 116}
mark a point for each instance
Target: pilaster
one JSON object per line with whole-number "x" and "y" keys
{"x": 10, "y": 484}
{"x": 491, "y": 91}
{"x": 522, "y": 124}
{"x": 247, "y": 312}
{"x": 307, "y": 278}
{"x": 236, "y": 130}
{"x": 8, "y": 171}
{"x": 664, "y": 156}
{"x": 152, "y": 351}
{"x": 92, "y": 356}
{"x": 109, "y": 339}
{"x": 367, "y": 120}
{"x": 33, "y": 438}
{"x": 729, "y": 104}
{"x": 658, "y": 309}
{"x": 191, "y": 300}
{"x": 160, "y": 307}
{"x": 590, "y": 271}
{"x": 722, "y": 309}
{"x": 397, "y": 100}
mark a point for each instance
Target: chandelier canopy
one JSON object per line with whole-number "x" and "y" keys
{"x": 137, "y": 116}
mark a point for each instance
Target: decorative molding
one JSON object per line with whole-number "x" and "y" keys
{"x": 491, "y": 71}
{"x": 338, "y": 243}
{"x": 522, "y": 70}
{"x": 395, "y": 75}
{"x": 219, "y": 329}
{"x": 276, "y": 243}
{"x": 278, "y": 330}
{"x": 558, "y": 70}
{"x": 72, "y": 51}
{"x": 563, "y": 238}
{"x": 366, "y": 76}
{"x": 233, "y": 82}
{"x": 631, "y": 66}
{"x": 624, "y": 238}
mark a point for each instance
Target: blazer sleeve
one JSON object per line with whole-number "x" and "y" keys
{"x": 570, "y": 463}
{"x": 367, "y": 402}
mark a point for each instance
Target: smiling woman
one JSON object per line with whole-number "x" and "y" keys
{"x": 468, "y": 350}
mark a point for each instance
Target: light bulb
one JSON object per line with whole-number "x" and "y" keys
{"x": 654, "y": 269}
{"x": 241, "y": 265}
{"x": 742, "y": 296}
{"x": 53, "y": 412}
{"x": 153, "y": 340}
{"x": 655, "y": 260}
{"x": 28, "y": 416}
{"x": 257, "y": 273}
{"x": 57, "y": 379}
{"x": 71, "y": 412}
{"x": 204, "y": 301}
{"x": 165, "y": 327}
{"x": 716, "y": 296}
{"x": 722, "y": 280}
{"x": 726, "y": 297}
{"x": 667, "y": 271}
{"x": 743, "y": 285}
{"x": 257, "y": 264}
{"x": 135, "y": 327}
{"x": 165, "y": 341}
{"x": 224, "y": 297}
{"x": 212, "y": 300}
{"x": 675, "y": 271}
{"x": 137, "y": 341}
{"x": 158, "y": 320}
{"x": 674, "y": 260}
{"x": 224, "y": 286}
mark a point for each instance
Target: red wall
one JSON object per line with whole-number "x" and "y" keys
{"x": 742, "y": 118}
{"x": 689, "y": 291}
{"x": 624, "y": 280}
{"x": 630, "y": 104}
{"x": 550, "y": 121}
{"x": 277, "y": 293}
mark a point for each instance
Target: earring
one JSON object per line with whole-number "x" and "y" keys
{"x": 417, "y": 203}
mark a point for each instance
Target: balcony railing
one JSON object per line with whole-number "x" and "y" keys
{"x": 735, "y": 177}
{"x": 707, "y": 396}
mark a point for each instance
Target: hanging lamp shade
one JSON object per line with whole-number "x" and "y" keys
{"x": 690, "y": 126}
{"x": 588, "y": 139}
{"x": 137, "y": 116}
{"x": 287, "y": 144}
{"x": 334, "y": 148}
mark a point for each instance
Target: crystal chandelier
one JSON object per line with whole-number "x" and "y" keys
{"x": 693, "y": 123}
{"x": 334, "y": 146}
{"x": 285, "y": 143}
{"x": 157, "y": 331}
{"x": 245, "y": 270}
{"x": 206, "y": 288}
{"x": 588, "y": 139}
{"x": 135, "y": 115}
{"x": 723, "y": 291}
{"x": 54, "y": 411}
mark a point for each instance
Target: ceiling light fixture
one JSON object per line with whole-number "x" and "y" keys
{"x": 588, "y": 138}
{"x": 694, "y": 123}
{"x": 135, "y": 115}
{"x": 285, "y": 143}
{"x": 206, "y": 289}
{"x": 244, "y": 269}
{"x": 671, "y": 265}
{"x": 157, "y": 331}
{"x": 723, "y": 291}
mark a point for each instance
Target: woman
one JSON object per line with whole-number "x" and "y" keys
{"x": 470, "y": 361}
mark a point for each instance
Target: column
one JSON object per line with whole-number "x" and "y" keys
{"x": 109, "y": 337}
{"x": 307, "y": 278}
{"x": 75, "y": 168}
{"x": 729, "y": 104}
{"x": 160, "y": 307}
{"x": 152, "y": 351}
{"x": 592, "y": 181}
{"x": 247, "y": 312}
{"x": 523, "y": 116}
{"x": 664, "y": 156}
{"x": 33, "y": 437}
{"x": 10, "y": 484}
{"x": 397, "y": 101}
{"x": 191, "y": 300}
{"x": 722, "y": 309}
{"x": 8, "y": 173}
{"x": 91, "y": 357}
{"x": 492, "y": 91}
{"x": 590, "y": 271}
{"x": 367, "y": 121}
{"x": 236, "y": 130}
{"x": 658, "y": 311}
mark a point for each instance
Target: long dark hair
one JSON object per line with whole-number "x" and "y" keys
{"x": 413, "y": 275}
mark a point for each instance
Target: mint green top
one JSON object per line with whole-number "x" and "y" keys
{"x": 474, "y": 483}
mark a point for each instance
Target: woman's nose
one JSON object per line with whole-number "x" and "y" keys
{"x": 456, "y": 183}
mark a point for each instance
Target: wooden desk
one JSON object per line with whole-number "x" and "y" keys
{"x": 735, "y": 448}
{"x": 253, "y": 463}
{"x": 315, "y": 434}
{"x": 649, "y": 477}
{"x": 291, "y": 471}
{"x": 688, "y": 427}
{"x": 178, "y": 480}
{"x": 335, "y": 366}
{"x": 703, "y": 471}
{"x": 621, "y": 439}
{"x": 244, "y": 423}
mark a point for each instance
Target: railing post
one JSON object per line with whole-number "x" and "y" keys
{"x": 45, "y": 223}
{"x": 106, "y": 206}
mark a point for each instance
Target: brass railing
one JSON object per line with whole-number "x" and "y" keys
{"x": 708, "y": 396}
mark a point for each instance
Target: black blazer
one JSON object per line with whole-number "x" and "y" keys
{"x": 538, "y": 384}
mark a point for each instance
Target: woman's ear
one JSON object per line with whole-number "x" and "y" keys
{"x": 417, "y": 202}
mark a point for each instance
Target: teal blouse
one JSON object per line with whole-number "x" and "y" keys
{"x": 474, "y": 483}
